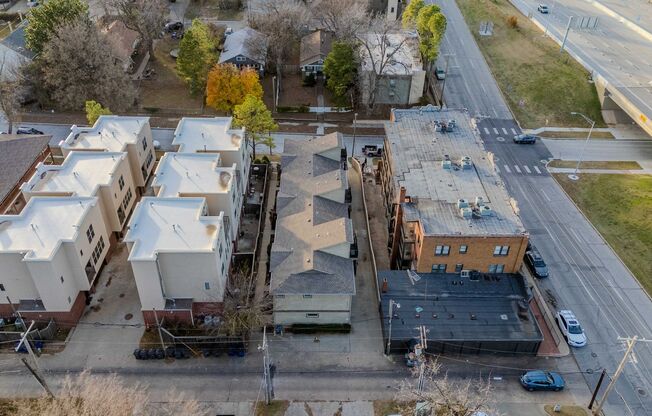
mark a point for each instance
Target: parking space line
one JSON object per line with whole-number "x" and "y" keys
{"x": 527, "y": 169}
{"x": 507, "y": 169}
{"x": 486, "y": 131}
{"x": 517, "y": 168}
{"x": 495, "y": 130}
{"x": 504, "y": 130}
{"x": 513, "y": 132}
{"x": 537, "y": 169}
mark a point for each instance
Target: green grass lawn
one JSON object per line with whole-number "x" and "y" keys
{"x": 541, "y": 85}
{"x": 598, "y": 164}
{"x": 580, "y": 135}
{"x": 620, "y": 207}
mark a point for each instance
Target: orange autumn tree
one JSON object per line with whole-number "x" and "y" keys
{"x": 227, "y": 86}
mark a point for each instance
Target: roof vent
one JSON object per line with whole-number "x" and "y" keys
{"x": 479, "y": 201}
{"x": 225, "y": 177}
{"x": 462, "y": 203}
{"x": 486, "y": 211}
{"x": 446, "y": 164}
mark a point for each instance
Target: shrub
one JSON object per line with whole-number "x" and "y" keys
{"x": 309, "y": 80}
{"x": 512, "y": 22}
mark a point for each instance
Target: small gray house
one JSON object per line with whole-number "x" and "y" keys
{"x": 245, "y": 48}
{"x": 315, "y": 47}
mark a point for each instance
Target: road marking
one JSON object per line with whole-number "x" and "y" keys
{"x": 527, "y": 169}
{"x": 504, "y": 130}
{"x": 545, "y": 195}
{"x": 513, "y": 132}
{"x": 507, "y": 169}
{"x": 495, "y": 130}
{"x": 517, "y": 168}
{"x": 486, "y": 131}
{"x": 537, "y": 169}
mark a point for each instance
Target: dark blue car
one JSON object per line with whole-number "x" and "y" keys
{"x": 542, "y": 380}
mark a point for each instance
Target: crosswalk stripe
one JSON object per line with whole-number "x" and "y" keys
{"x": 495, "y": 130}
{"x": 504, "y": 130}
{"x": 537, "y": 169}
{"x": 486, "y": 130}
{"x": 507, "y": 169}
{"x": 517, "y": 168}
{"x": 527, "y": 169}
{"x": 513, "y": 131}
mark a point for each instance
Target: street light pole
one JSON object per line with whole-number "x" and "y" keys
{"x": 573, "y": 176}
{"x": 389, "y": 332}
{"x": 355, "y": 119}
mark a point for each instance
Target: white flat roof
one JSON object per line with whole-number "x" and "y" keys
{"x": 171, "y": 225}
{"x": 42, "y": 225}
{"x": 80, "y": 174}
{"x": 192, "y": 173}
{"x": 207, "y": 134}
{"x": 112, "y": 133}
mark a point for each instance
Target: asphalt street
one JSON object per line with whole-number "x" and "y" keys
{"x": 619, "y": 54}
{"x": 586, "y": 275}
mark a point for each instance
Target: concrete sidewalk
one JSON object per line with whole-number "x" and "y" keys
{"x": 603, "y": 171}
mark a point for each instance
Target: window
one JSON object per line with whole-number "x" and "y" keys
{"x": 150, "y": 157}
{"x": 121, "y": 182}
{"x": 220, "y": 250}
{"x": 81, "y": 253}
{"x": 307, "y": 296}
{"x": 442, "y": 250}
{"x": 97, "y": 252}
{"x": 459, "y": 267}
{"x": 90, "y": 233}
{"x": 61, "y": 279}
{"x": 2, "y": 287}
{"x": 280, "y": 296}
{"x": 439, "y": 268}
{"x": 501, "y": 250}
{"x": 207, "y": 286}
{"x": 240, "y": 58}
{"x": 144, "y": 143}
{"x": 222, "y": 268}
{"x": 127, "y": 199}
{"x": 312, "y": 315}
{"x": 69, "y": 300}
{"x": 464, "y": 249}
{"x": 496, "y": 268}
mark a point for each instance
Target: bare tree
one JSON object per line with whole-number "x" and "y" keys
{"x": 147, "y": 17}
{"x": 242, "y": 312}
{"x": 107, "y": 395}
{"x": 381, "y": 43}
{"x": 10, "y": 88}
{"x": 442, "y": 396}
{"x": 281, "y": 21}
{"x": 77, "y": 65}
{"x": 344, "y": 18}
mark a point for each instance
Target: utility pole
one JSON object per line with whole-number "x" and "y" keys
{"x": 630, "y": 347}
{"x": 389, "y": 332}
{"x": 563, "y": 43}
{"x": 419, "y": 351}
{"x": 20, "y": 318}
{"x": 597, "y": 388}
{"x": 267, "y": 379}
{"x": 443, "y": 84}
{"x": 36, "y": 371}
{"x": 573, "y": 176}
{"x": 355, "y": 119}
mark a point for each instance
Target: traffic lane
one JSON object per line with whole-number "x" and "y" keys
{"x": 638, "y": 150}
{"x": 582, "y": 286}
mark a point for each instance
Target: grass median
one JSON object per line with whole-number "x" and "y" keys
{"x": 596, "y": 164}
{"x": 541, "y": 85}
{"x": 620, "y": 207}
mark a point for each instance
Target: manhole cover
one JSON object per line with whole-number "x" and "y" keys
{"x": 128, "y": 316}
{"x": 589, "y": 371}
{"x": 122, "y": 295}
{"x": 500, "y": 139}
{"x": 641, "y": 392}
{"x": 594, "y": 355}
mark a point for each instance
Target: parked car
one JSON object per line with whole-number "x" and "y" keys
{"x": 525, "y": 139}
{"x": 535, "y": 262}
{"x": 542, "y": 380}
{"x": 571, "y": 328}
{"x": 28, "y": 130}
{"x": 440, "y": 73}
{"x": 173, "y": 26}
{"x": 543, "y": 8}
{"x": 372, "y": 150}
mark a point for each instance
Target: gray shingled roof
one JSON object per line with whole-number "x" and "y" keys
{"x": 315, "y": 46}
{"x": 17, "y": 154}
{"x": 310, "y": 254}
{"x": 246, "y": 42}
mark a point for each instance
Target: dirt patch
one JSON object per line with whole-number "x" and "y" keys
{"x": 275, "y": 408}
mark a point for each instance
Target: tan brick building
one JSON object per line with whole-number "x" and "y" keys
{"x": 446, "y": 206}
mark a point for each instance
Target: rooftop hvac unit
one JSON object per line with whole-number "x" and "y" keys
{"x": 466, "y": 212}
{"x": 479, "y": 201}
{"x": 486, "y": 211}
{"x": 466, "y": 163}
{"x": 446, "y": 164}
{"x": 462, "y": 203}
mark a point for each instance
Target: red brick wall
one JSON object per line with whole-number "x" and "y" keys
{"x": 207, "y": 308}
{"x": 180, "y": 316}
{"x": 63, "y": 319}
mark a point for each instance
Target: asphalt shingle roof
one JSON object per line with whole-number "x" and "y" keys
{"x": 17, "y": 154}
